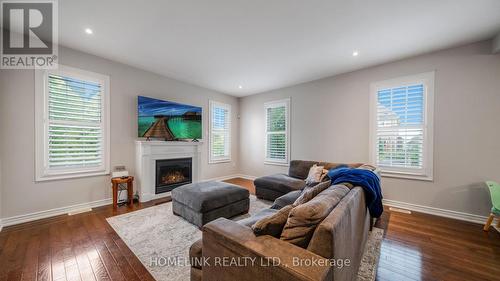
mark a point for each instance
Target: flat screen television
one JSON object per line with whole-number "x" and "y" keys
{"x": 168, "y": 120}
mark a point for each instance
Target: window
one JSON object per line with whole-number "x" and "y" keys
{"x": 220, "y": 132}
{"x": 277, "y": 132}
{"x": 402, "y": 126}
{"x": 72, "y": 121}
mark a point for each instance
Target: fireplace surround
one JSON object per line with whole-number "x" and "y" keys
{"x": 147, "y": 155}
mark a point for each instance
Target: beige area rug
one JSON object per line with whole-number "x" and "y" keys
{"x": 155, "y": 233}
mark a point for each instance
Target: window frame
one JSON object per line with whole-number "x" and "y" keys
{"x": 274, "y": 104}
{"x": 211, "y": 158}
{"x": 427, "y": 80}
{"x": 42, "y": 170}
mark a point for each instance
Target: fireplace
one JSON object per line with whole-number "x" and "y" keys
{"x": 171, "y": 173}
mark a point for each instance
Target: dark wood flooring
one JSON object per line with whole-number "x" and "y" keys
{"x": 78, "y": 247}
{"x": 85, "y": 247}
{"x": 424, "y": 247}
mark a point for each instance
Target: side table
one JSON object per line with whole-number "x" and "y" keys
{"x": 130, "y": 189}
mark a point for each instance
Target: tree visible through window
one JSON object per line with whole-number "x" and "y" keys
{"x": 220, "y": 132}
{"x": 72, "y": 137}
{"x": 277, "y": 132}
{"x": 402, "y": 124}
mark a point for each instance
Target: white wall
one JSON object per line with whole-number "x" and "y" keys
{"x": 330, "y": 121}
{"x": 21, "y": 195}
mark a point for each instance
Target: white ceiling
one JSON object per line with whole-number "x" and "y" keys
{"x": 268, "y": 44}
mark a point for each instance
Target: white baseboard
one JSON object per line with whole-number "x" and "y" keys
{"x": 436, "y": 211}
{"x": 223, "y": 178}
{"x": 247, "y": 177}
{"x": 148, "y": 197}
{"x": 54, "y": 212}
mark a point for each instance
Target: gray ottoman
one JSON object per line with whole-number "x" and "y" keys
{"x": 200, "y": 203}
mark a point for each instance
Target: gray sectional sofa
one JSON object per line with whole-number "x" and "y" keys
{"x": 341, "y": 235}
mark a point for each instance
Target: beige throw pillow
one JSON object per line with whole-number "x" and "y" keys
{"x": 323, "y": 175}
{"x": 272, "y": 225}
{"x": 314, "y": 175}
{"x": 310, "y": 192}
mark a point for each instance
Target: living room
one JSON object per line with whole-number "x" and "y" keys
{"x": 282, "y": 140}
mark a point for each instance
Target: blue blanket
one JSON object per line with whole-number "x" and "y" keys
{"x": 368, "y": 180}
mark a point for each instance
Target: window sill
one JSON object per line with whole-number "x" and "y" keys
{"x": 276, "y": 163}
{"x": 219, "y": 161}
{"x": 406, "y": 176}
{"x": 42, "y": 178}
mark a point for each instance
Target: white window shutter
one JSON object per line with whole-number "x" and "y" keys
{"x": 400, "y": 127}
{"x": 401, "y": 134}
{"x": 277, "y": 132}
{"x": 220, "y": 132}
{"x": 75, "y": 131}
{"x": 72, "y": 123}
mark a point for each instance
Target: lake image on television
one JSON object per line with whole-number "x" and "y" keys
{"x": 168, "y": 120}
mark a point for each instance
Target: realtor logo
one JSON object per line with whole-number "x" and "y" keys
{"x": 29, "y": 34}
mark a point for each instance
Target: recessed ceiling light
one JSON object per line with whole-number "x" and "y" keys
{"x": 88, "y": 31}
{"x": 355, "y": 53}
{"x": 240, "y": 87}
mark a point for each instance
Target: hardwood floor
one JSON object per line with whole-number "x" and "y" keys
{"x": 85, "y": 247}
{"x": 424, "y": 247}
{"x": 79, "y": 247}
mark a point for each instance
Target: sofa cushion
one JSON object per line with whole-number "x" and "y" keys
{"x": 206, "y": 196}
{"x": 311, "y": 191}
{"x": 260, "y": 215}
{"x": 272, "y": 225}
{"x": 286, "y": 199}
{"x": 304, "y": 218}
{"x": 280, "y": 182}
{"x": 340, "y": 225}
{"x": 331, "y": 165}
{"x": 300, "y": 168}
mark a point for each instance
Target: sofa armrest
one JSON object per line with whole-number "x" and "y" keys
{"x": 258, "y": 258}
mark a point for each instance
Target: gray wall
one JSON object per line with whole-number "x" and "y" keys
{"x": 330, "y": 121}
{"x": 21, "y": 195}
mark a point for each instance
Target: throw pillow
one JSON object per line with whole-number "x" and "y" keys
{"x": 324, "y": 176}
{"x": 272, "y": 225}
{"x": 314, "y": 174}
{"x": 310, "y": 192}
{"x": 367, "y": 167}
{"x": 303, "y": 219}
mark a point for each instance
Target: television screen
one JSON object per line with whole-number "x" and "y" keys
{"x": 168, "y": 120}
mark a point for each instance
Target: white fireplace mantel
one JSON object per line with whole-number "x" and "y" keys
{"x": 147, "y": 152}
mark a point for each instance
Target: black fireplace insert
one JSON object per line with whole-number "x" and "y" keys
{"x": 171, "y": 173}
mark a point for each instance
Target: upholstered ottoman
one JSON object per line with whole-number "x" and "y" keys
{"x": 200, "y": 203}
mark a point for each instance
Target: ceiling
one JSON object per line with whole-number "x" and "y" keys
{"x": 262, "y": 45}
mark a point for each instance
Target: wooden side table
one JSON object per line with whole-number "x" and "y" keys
{"x": 130, "y": 189}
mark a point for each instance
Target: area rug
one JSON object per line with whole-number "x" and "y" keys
{"x": 156, "y": 237}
